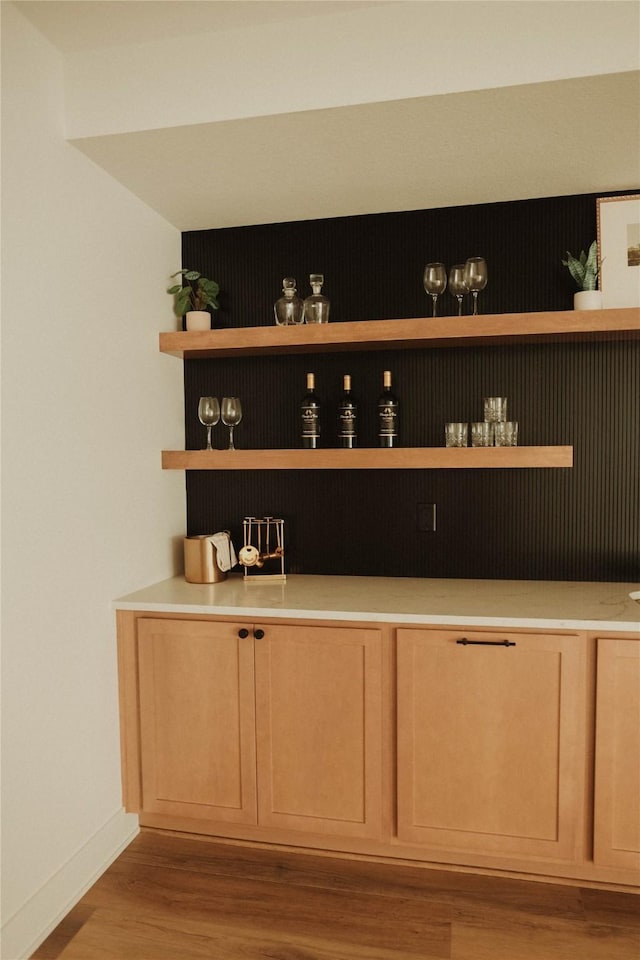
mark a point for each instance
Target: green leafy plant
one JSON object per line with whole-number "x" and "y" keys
{"x": 197, "y": 294}
{"x": 584, "y": 269}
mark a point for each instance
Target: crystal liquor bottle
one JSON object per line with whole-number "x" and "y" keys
{"x": 289, "y": 308}
{"x": 316, "y": 306}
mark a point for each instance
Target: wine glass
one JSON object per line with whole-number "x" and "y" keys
{"x": 208, "y": 415}
{"x": 458, "y": 285}
{"x": 435, "y": 281}
{"x": 231, "y": 415}
{"x": 475, "y": 274}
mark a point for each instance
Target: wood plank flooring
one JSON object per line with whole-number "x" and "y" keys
{"x": 175, "y": 898}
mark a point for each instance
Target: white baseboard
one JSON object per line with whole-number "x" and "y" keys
{"x": 23, "y": 933}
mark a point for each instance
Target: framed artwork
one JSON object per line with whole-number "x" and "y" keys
{"x": 619, "y": 250}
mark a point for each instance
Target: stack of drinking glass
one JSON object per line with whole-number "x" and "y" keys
{"x": 494, "y": 430}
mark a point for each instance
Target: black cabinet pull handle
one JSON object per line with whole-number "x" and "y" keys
{"x": 258, "y": 634}
{"x": 243, "y": 633}
{"x": 486, "y": 643}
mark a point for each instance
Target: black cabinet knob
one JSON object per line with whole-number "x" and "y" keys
{"x": 258, "y": 634}
{"x": 243, "y": 633}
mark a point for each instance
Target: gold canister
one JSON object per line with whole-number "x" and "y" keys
{"x": 201, "y": 561}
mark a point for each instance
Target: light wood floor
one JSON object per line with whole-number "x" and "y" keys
{"x": 175, "y": 898}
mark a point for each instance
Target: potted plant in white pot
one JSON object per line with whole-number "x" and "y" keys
{"x": 584, "y": 270}
{"x": 192, "y": 299}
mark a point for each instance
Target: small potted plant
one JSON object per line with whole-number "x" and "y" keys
{"x": 192, "y": 299}
{"x": 584, "y": 271}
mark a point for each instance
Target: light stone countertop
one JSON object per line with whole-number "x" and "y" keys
{"x": 565, "y": 605}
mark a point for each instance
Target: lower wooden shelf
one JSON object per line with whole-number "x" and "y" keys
{"x": 398, "y": 458}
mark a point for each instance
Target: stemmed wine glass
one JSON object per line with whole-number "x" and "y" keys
{"x": 435, "y": 281}
{"x": 457, "y": 284}
{"x": 475, "y": 275}
{"x": 208, "y": 415}
{"x": 231, "y": 415}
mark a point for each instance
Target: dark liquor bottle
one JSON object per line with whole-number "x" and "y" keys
{"x": 310, "y": 415}
{"x": 387, "y": 414}
{"x": 347, "y": 417}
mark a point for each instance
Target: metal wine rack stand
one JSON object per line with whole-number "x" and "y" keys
{"x": 263, "y": 548}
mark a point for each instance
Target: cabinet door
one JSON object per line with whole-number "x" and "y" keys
{"x": 318, "y": 700}
{"x": 197, "y": 720}
{"x": 491, "y": 750}
{"x": 617, "y": 772}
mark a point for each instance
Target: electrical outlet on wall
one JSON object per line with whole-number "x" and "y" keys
{"x": 426, "y": 517}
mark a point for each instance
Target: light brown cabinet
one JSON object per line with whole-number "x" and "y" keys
{"x": 269, "y": 724}
{"x": 197, "y": 720}
{"x": 469, "y": 747}
{"x": 319, "y": 729}
{"x": 491, "y": 741}
{"x": 617, "y": 755}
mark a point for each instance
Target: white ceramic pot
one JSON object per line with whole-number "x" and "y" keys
{"x": 198, "y": 320}
{"x": 587, "y": 300}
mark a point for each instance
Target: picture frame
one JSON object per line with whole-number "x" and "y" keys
{"x": 618, "y": 220}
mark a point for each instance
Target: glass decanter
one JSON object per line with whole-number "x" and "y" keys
{"x": 316, "y": 306}
{"x": 289, "y": 308}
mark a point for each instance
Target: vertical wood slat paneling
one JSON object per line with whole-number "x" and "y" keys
{"x": 533, "y": 524}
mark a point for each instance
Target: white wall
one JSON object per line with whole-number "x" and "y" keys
{"x": 87, "y": 405}
{"x": 392, "y": 51}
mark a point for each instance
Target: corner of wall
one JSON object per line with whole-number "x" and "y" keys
{"x": 22, "y": 933}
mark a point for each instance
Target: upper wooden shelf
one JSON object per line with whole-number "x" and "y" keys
{"x": 621, "y": 323}
{"x": 366, "y": 458}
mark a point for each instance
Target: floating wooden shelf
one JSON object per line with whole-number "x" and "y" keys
{"x": 614, "y": 324}
{"x": 398, "y": 458}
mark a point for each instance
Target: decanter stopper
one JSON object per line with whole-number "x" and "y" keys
{"x": 316, "y": 306}
{"x": 289, "y": 308}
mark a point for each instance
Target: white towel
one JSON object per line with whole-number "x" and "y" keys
{"x": 225, "y": 554}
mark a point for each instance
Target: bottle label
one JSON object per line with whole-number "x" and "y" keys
{"x": 310, "y": 424}
{"x": 388, "y": 415}
{"x": 347, "y": 423}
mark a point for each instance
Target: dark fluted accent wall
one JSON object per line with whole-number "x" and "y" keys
{"x": 581, "y": 524}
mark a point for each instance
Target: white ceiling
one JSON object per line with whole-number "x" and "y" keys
{"x": 556, "y": 138}
{"x": 548, "y": 139}
{"x": 77, "y": 25}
